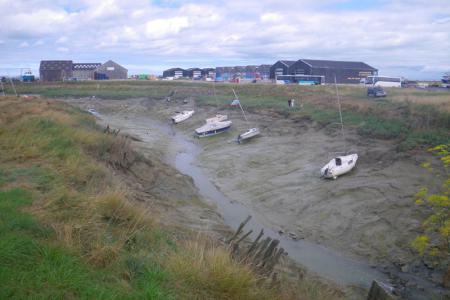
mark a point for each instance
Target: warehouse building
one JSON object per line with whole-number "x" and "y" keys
{"x": 84, "y": 71}
{"x": 110, "y": 70}
{"x": 55, "y": 70}
{"x": 321, "y": 71}
{"x": 246, "y": 73}
{"x": 174, "y": 73}
{"x": 61, "y": 70}
{"x": 281, "y": 67}
{"x": 209, "y": 73}
{"x": 194, "y": 73}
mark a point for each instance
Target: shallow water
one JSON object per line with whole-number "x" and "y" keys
{"x": 182, "y": 154}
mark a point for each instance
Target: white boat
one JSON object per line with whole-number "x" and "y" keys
{"x": 182, "y": 116}
{"x": 213, "y": 128}
{"x": 217, "y": 118}
{"x": 94, "y": 112}
{"x": 339, "y": 166}
{"x": 252, "y": 132}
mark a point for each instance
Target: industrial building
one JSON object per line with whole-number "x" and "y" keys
{"x": 281, "y": 67}
{"x": 321, "y": 71}
{"x": 174, "y": 73}
{"x": 84, "y": 71}
{"x": 61, "y": 70}
{"x": 209, "y": 73}
{"x": 194, "y": 73}
{"x": 111, "y": 70}
{"x": 246, "y": 73}
{"x": 55, "y": 70}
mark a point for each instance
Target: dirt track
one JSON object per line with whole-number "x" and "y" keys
{"x": 368, "y": 213}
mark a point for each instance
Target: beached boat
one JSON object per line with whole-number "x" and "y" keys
{"x": 213, "y": 128}
{"x": 339, "y": 166}
{"x": 182, "y": 116}
{"x": 217, "y": 118}
{"x": 252, "y": 132}
{"x": 94, "y": 112}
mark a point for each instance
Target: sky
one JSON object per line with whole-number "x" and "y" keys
{"x": 409, "y": 38}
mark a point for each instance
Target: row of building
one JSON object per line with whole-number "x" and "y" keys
{"x": 61, "y": 70}
{"x": 302, "y": 71}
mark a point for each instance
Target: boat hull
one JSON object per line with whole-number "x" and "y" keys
{"x": 339, "y": 166}
{"x": 217, "y": 118}
{"x": 248, "y": 134}
{"x": 182, "y": 116}
{"x": 210, "y": 129}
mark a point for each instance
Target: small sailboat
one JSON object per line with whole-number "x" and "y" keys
{"x": 213, "y": 128}
{"x": 250, "y": 133}
{"x": 215, "y": 125}
{"x": 93, "y": 112}
{"x": 341, "y": 164}
{"x": 217, "y": 118}
{"x": 182, "y": 116}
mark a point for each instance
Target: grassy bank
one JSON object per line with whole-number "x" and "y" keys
{"x": 69, "y": 228}
{"x": 412, "y": 117}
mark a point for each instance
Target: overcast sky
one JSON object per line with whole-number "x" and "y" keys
{"x": 408, "y": 38}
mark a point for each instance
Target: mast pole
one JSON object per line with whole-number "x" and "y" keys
{"x": 215, "y": 95}
{"x": 340, "y": 111}
{"x": 240, "y": 106}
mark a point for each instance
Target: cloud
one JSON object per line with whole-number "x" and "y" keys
{"x": 24, "y": 45}
{"x": 39, "y": 43}
{"x": 62, "y": 40}
{"x": 62, "y": 49}
{"x": 271, "y": 17}
{"x": 161, "y": 28}
{"x": 383, "y": 34}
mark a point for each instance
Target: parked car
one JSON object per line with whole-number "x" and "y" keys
{"x": 376, "y": 91}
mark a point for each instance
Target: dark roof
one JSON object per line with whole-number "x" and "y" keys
{"x": 194, "y": 69}
{"x": 288, "y": 62}
{"x": 86, "y": 66}
{"x": 174, "y": 69}
{"x": 55, "y": 64}
{"x": 333, "y": 64}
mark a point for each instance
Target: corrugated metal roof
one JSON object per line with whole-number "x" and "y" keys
{"x": 333, "y": 64}
{"x": 86, "y": 66}
{"x": 174, "y": 69}
{"x": 55, "y": 65}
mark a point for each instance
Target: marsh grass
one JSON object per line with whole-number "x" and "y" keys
{"x": 406, "y": 115}
{"x": 68, "y": 229}
{"x": 209, "y": 270}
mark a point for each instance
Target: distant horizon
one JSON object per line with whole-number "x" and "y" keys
{"x": 17, "y": 72}
{"x": 404, "y": 38}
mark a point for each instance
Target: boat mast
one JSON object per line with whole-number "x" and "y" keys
{"x": 215, "y": 96}
{"x": 340, "y": 111}
{"x": 240, "y": 106}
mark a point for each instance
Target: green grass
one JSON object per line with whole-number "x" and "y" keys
{"x": 31, "y": 268}
{"x": 412, "y": 117}
{"x": 68, "y": 230}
